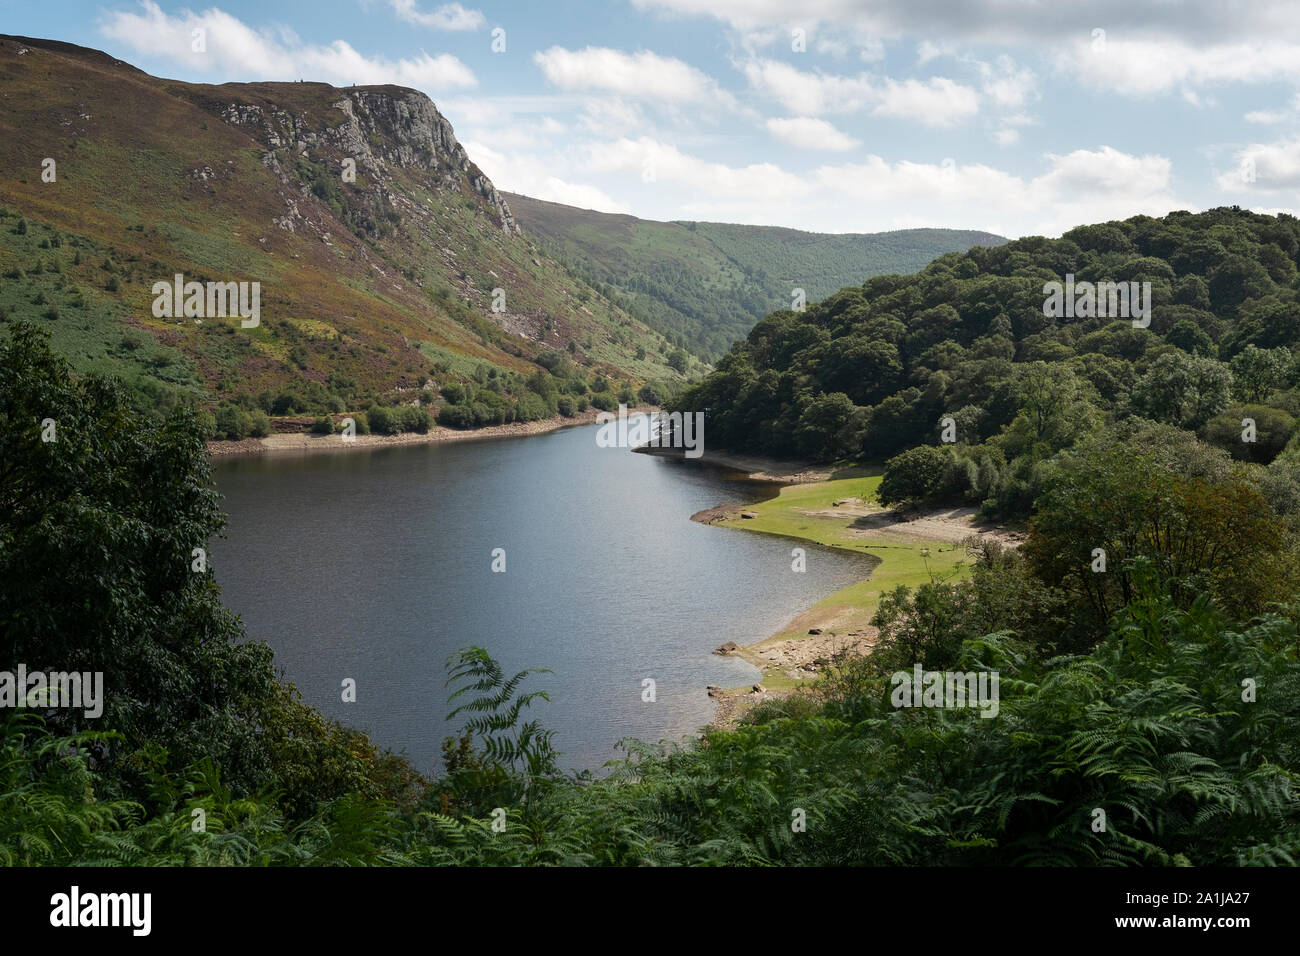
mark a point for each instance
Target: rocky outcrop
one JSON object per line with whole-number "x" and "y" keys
{"x": 381, "y": 129}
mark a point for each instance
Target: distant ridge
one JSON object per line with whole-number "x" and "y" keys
{"x": 705, "y": 284}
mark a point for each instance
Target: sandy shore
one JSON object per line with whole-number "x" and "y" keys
{"x": 304, "y": 442}
{"x": 808, "y": 644}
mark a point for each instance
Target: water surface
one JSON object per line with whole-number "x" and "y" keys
{"x": 377, "y": 565}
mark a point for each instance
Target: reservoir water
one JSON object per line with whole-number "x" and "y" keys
{"x": 377, "y": 565}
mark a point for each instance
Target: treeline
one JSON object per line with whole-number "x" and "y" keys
{"x": 1148, "y": 712}
{"x": 964, "y": 347}
{"x": 487, "y": 396}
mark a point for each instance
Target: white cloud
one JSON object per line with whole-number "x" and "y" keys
{"x": 1267, "y": 117}
{"x": 1164, "y": 65}
{"x": 808, "y": 133}
{"x": 928, "y": 50}
{"x": 936, "y": 102}
{"x": 1264, "y": 167}
{"x": 1272, "y": 117}
{"x": 1105, "y": 172}
{"x": 1154, "y": 47}
{"x": 808, "y": 94}
{"x": 536, "y": 177}
{"x": 653, "y": 161}
{"x": 450, "y": 16}
{"x": 1004, "y": 22}
{"x": 1008, "y": 85}
{"x": 610, "y": 117}
{"x": 1008, "y": 133}
{"x": 1083, "y": 186}
{"x": 643, "y": 74}
{"x": 240, "y": 52}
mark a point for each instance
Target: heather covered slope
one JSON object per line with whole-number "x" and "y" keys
{"x": 705, "y": 284}
{"x": 369, "y": 289}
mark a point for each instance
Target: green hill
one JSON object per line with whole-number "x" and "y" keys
{"x": 373, "y": 287}
{"x": 878, "y": 369}
{"x": 705, "y": 284}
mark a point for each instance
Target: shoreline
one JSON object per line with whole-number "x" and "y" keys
{"x": 307, "y": 443}
{"x": 833, "y": 507}
{"x": 762, "y": 470}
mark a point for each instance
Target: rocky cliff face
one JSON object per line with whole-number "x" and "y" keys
{"x": 380, "y": 129}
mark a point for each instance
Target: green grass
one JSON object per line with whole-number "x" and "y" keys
{"x": 901, "y": 563}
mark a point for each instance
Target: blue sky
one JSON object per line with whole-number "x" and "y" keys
{"x": 1015, "y": 116}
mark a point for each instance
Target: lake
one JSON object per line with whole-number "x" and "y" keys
{"x": 376, "y": 565}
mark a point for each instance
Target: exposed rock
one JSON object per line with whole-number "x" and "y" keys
{"x": 714, "y": 690}
{"x": 749, "y": 514}
{"x": 814, "y": 630}
{"x": 383, "y": 127}
{"x": 730, "y": 647}
{"x": 759, "y": 689}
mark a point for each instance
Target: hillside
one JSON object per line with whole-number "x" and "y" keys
{"x": 705, "y": 284}
{"x": 962, "y": 365}
{"x": 373, "y": 287}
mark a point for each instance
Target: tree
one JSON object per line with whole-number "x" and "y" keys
{"x": 915, "y": 476}
{"x": 98, "y": 573}
{"x": 1054, "y": 409}
{"x": 1112, "y": 508}
{"x": 1181, "y": 389}
{"x": 1256, "y": 372}
{"x": 1190, "y": 337}
{"x": 106, "y": 516}
{"x": 1255, "y": 433}
{"x": 828, "y": 428}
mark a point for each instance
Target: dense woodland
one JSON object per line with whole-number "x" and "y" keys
{"x": 1163, "y": 692}
{"x": 872, "y": 371}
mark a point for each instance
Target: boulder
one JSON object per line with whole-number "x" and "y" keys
{"x": 759, "y": 689}
{"x": 749, "y": 514}
{"x": 730, "y": 647}
{"x": 814, "y": 630}
{"x": 714, "y": 690}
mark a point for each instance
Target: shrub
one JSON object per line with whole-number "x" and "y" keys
{"x": 456, "y": 416}
{"x": 915, "y": 476}
{"x": 259, "y": 424}
{"x": 232, "y": 422}
{"x": 381, "y": 420}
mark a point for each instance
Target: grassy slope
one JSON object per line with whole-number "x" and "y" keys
{"x": 909, "y": 564}
{"x": 710, "y": 282}
{"x": 152, "y": 181}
